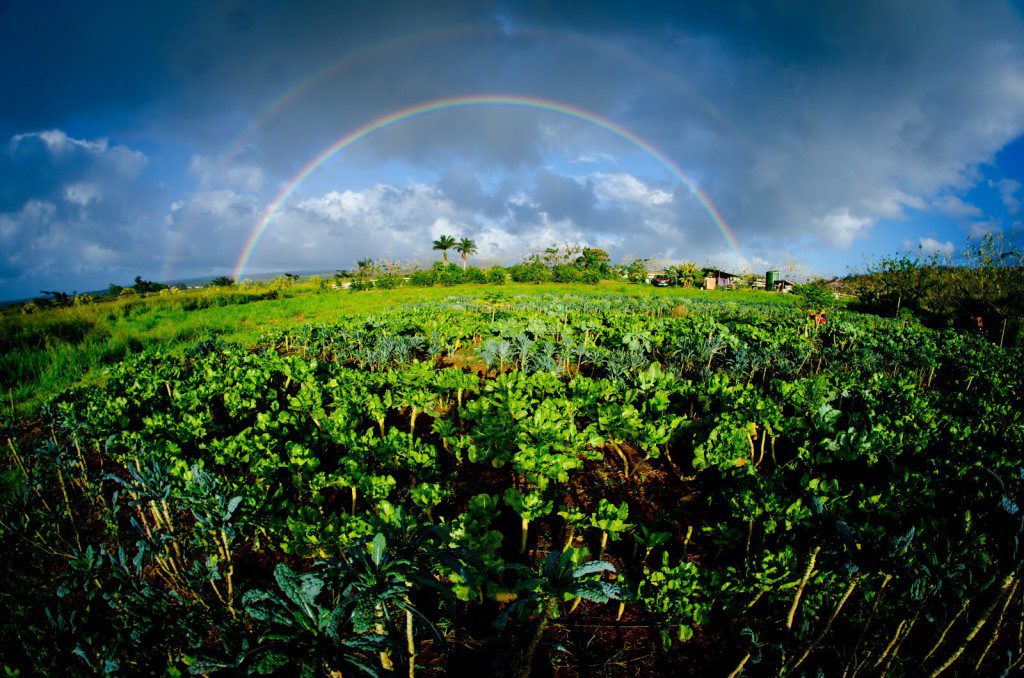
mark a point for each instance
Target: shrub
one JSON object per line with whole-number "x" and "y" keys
{"x": 535, "y": 272}
{"x": 389, "y": 282}
{"x": 590, "y": 277}
{"x": 815, "y": 297}
{"x": 497, "y": 275}
{"x": 450, "y": 276}
{"x": 423, "y": 278}
{"x": 563, "y": 273}
{"x": 360, "y": 286}
{"x": 474, "y": 275}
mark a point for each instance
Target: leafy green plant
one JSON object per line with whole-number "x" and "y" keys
{"x": 611, "y": 520}
{"x": 560, "y": 578}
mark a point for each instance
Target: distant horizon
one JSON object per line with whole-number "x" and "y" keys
{"x": 264, "y": 138}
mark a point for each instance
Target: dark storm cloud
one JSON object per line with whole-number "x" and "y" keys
{"x": 804, "y": 122}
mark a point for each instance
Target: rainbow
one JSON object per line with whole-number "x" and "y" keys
{"x": 477, "y": 100}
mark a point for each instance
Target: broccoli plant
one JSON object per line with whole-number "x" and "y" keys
{"x": 611, "y": 520}
{"x": 678, "y": 594}
{"x": 530, "y": 506}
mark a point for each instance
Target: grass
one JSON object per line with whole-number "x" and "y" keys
{"x": 43, "y": 353}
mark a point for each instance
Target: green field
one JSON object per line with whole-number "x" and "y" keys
{"x": 45, "y": 352}
{"x": 579, "y": 479}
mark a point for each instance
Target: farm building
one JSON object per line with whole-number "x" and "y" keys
{"x": 715, "y": 278}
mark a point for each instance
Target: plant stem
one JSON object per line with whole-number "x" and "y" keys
{"x": 739, "y": 668}
{"x": 828, "y": 625}
{"x": 525, "y": 528}
{"x": 410, "y": 643}
{"x": 999, "y": 621}
{"x": 531, "y": 650}
{"x": 1007, "y": 581}
{"x": 892, "y": 643}
{"x": 800, "y": 589}
{"x": 622, "y": 456}
{"x": 945, "y": 631}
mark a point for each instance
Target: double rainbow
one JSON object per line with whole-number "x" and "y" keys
{"x": 463, "y": 102}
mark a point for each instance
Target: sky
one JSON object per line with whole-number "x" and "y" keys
{"x": 176, "y": 140}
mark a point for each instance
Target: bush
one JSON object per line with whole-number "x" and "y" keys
{"x": 389, "y": 282}
{"x": 474, "y": 275}
{"x": 423, "y": 278}
{"x": 815, "y": 297}
{"x": 636, "y": 271}
{"x": 450, "y": 276}
{"x": 563, "y": 273}
{"x": 535, "y": 272}
{"x": 590, "y": 277}
{"x": 497, "y": 275}
{"x": 360, "y": 286}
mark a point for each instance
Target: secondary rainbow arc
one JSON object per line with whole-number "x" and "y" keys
{"x": 468, "y": 101}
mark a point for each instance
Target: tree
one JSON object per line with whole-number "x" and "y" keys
{"x": 636, "y": 271}
{"x": 685, "y": 274}
{"x": 561, "y": 254}
{"x": 59, "y": 298}
{"x": 365, "y": 267}
{"x": 222, "y": 281}
{"x": 465, "y": 247}
{"x": 144, "y": 286}
{"x": 594, "y": 259}
{"x": 444, "y": 243}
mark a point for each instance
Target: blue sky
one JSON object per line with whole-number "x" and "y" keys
{"x": 150, "y": 138}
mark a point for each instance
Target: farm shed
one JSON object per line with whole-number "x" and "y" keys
{"x": 715, "y": 278}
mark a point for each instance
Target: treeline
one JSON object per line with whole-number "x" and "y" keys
{"x": 566, "y": 264}
{"x": 979, "y": 288}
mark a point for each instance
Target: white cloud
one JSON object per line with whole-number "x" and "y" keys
{"x": 955, "y": 208}
{"x": 627, "y": 188}
{"x": 416, "y": 207}
{"x": 57, "y": 141}
{"x": 86, "y": 217}
{"x": 81, "y": 193}
{"x": 595, "y": 158}
{"x": 932, "y": 246}
{"x": 63, "y": 148}
{"x": 892, "y": 205}
{"x": 1008, "y": 189}
{"x": 840, "y": 228}
{"x": 984, "y": 227}
{"x": 214, "y": 173}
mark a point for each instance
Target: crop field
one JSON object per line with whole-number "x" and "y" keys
{"x": 584, "y": 483}
{"x": 43, "y": 353}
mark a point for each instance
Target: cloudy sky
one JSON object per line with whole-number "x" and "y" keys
{"x": 154, "y": 139}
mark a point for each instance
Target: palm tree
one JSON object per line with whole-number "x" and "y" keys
{"x": 465, "y": 247}
{"x": 444, "y": 243}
